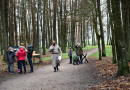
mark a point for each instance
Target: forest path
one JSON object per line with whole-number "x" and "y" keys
{"x": 69, "y": 77}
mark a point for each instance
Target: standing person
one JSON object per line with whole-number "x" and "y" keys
{"x": 80, "y": 52}
{"x": 21, "y": 57}
{"x": 55, "y": 49}
{"x": 70, "y": 55}
{"x": 7, "y": 52}
{"x": 18, "y": 62}
{"x": 22, "y": 45}
{"x": 11, "y": 56}
{"x": 29, "y": 56}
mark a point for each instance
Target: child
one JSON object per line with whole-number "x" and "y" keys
{"x": 11, "y": 56}
{"x": 70, "y": 55}
{"x": 18, "y": 62}
{"x": 21, "y": 57}
{"x": 75, "y": 60}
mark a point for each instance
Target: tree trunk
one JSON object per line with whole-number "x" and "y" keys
{"x": 123, "y": 67}
{"x": 6, "y": 9}
{"x": 50, "y": 23}
{"x": 4, "y": 29}
{"x": 43, "y": 31}
{"x": 101, "y": 29}
{"x": 113, "y": 34}
{"x": 15, "y": 24}
{"x": 11, "y": 42}
{"x": 96, "y": 29}
{"x": 54, "y": 19}
{"x": 63, "y": 46}
{"x": 34, "y": 25}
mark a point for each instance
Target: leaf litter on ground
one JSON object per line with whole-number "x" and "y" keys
{"x": 108, "y": 71}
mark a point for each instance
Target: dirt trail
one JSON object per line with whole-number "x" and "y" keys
{"x": 69, "y": 77}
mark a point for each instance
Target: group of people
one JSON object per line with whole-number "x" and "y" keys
{"x": 21, "y": 55}
{"x": 55, "y": 49}
{"x": 79, "y": 53}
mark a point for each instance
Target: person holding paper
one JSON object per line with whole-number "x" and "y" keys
{"x": 55, "y": 49}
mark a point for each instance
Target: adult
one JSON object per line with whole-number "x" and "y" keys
{"x": 22, "y": 46}
{"x": 21, "y": 57}
{"x": 7, "y": 52}
{"x": 55, "y": 49}
{"x": 29, "y": 56}
{"x": 80, "y": 52}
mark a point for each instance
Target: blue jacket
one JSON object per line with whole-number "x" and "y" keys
{"x": 70, "y": 53}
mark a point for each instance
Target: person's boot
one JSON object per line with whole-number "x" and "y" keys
{"x": 30, "y": 71}
{"x": 24, "y": 72}
{"x": 20, "y": 72}
{"x": 54, "y": 69}
{"x": 57, "y": 68}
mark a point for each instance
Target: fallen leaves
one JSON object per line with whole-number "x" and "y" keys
{"x": 106, "y": 68}
{"x": 107, "y": 71}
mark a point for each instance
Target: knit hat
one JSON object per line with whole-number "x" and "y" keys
{"x": 30, "y": 46}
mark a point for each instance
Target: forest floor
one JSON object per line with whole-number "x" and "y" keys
{"x": 108, "y": 71}
{"x": 69, "y": 77}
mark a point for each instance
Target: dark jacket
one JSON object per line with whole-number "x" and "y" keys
{"x": 70, "y": 53}
{"x": 30, "y": 51}
{"x": 11, "y": 56}
{"x": 80, "y": 50}
{"x": 76, "y": 47}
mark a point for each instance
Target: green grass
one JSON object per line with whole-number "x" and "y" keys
{"x": 90, "y": 42}
{"x": 89, "y": 47}
{"x": 46, "y": 58}
{"x": 108, "y": 53}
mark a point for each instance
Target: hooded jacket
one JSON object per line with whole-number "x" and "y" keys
{"x": 21, "y": 54}
{"x": 30, "y": 51}
{"x": 11, "y": 56}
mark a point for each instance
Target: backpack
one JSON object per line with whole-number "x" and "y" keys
{"x": 75, "y": 58}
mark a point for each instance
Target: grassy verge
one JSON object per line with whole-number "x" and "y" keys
{"x": 87, "y": 48}
{"x": 108, "y": 53}
{"x": 65, "y": 55}
{"x": 90, "y": 42}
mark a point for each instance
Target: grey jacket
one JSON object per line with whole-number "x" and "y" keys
{"x": 55, "y": 53}
{"x": 55, "y": 50}
{"x": 70, "y": 53}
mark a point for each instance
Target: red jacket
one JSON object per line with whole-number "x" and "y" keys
{"x": 21, "y": 54}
